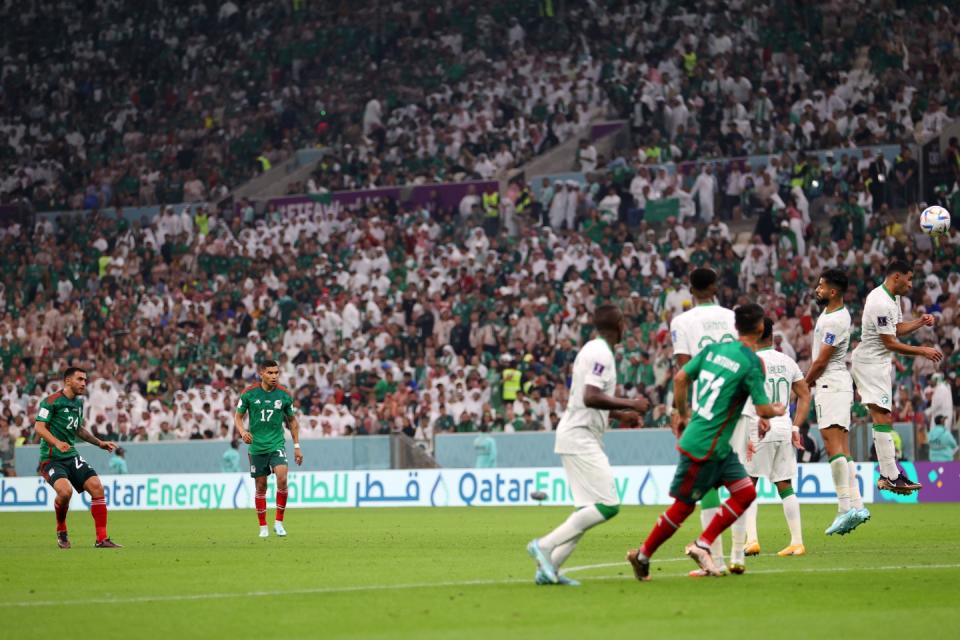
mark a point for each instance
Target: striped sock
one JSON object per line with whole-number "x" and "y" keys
{"x": 667, "y": 524}
{"x": 260, "y": 501}
{"x": 98, "y": 509}
{"x": 742, "y": 494}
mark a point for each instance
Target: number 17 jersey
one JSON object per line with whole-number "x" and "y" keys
{"x": 268, "y": 412}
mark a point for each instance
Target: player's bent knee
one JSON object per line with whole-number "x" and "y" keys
{"x": 608, "y": 511}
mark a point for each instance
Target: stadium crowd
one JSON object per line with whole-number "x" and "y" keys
{"x": 184, "y": 100}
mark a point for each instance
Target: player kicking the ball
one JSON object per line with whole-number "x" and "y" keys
{"x": 269, "y": 406}
{"x": 580, "y": 445}
{"x": 59, "y": 423}
{"x": 833, "y": 391}
{"x": 882, "y": 324}
{"x": 770, "y": 449}
{"x": 726, "y": 375}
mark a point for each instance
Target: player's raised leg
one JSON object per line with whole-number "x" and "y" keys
{"x": 98, "y": 509}
{"x": 836, "y": 441}
{"x": 856, "y": 496}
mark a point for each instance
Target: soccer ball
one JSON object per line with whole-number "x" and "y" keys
{"x": 935, "y": 221}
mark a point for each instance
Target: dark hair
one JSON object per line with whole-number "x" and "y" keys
{"x": 266, "y": 364}
{"x": 837, "y": 278}
{"x": 899, "y": 266}
{"x": 72, "y": 370}
{"x": 702, "y": 278}
{"x": 767, "y": 329}
{"x": 606, "y": 317}
{"x": 747, "y": 316}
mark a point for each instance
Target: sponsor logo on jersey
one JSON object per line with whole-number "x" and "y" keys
{"x": 881, "y": 321}
{"x": 44, "y": 413}
{"x": 277, "y": 404}
{"x": 597, "y": 370}
{"x": 829, "y": 339}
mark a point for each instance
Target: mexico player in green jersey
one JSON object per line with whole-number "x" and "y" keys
{"x": 270, "y": 407}
{"x": 59, "y": 423}
{"x": 726, "y": 375}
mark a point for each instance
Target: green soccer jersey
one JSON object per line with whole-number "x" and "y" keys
{"x": 268, "y": 411}
{"x": 63, "y": 418}
{"x": 726, "y": 374}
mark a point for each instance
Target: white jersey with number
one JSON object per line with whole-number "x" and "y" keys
{"x": 703, "y": 325}
{"x": 833, "y": 329}
{"x": 581, "y": 428}
{"x": 881, "y": 314}
{"x": 780, "y": 372}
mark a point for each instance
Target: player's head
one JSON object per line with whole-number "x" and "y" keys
{"x": 831, "y": 287}
{"x": 766, "y": 338}
{"x": 703, "y": 283}
{"x": 75, "y": 379}
{"x": 269, "y": 373}
{"x": 748, "y": 319}
{"x": 899, "y": 278}
{"x": 608, "y": 319}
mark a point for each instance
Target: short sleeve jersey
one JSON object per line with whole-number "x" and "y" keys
{"x": 833, "y": 329}
{"x": 726, "y": 374}
{"x": 703, "y": 325}
{"x": 780, "y": 372}
{"x": 580, "y": 427}
{"x": 268, "y": 412}
{"x": 63, "y": 417}
{"x": 881, "y": 314}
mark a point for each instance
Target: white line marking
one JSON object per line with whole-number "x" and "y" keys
{"x": 420, "y": 585}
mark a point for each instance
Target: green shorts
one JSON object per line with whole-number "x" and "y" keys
{"x": 694, "y": 479}
{"x": 74, "y": 469}
{"x": 263, "y": 464}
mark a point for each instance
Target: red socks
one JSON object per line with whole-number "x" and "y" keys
{"x": 260, "y": 500}
{"x": 742, "y": 494}
{"x": 666, "y": 526}
{"x": 281, "y": 504}
{"x": 61, "y": 511}
{"x": 98, "y": 509}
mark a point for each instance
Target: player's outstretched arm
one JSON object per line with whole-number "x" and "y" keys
{"x": 906, "y": 328}
{"x": 242, "y": 433}
{"x": 86, "y": 436}
{"x": 772, "y": 410}
{"x": 294, "y": 425}
{"x": 52, "y": 440}
{"x": 892, "y": 344}
{"x": 802, "y": 391}
{"x": 818, "y": 366}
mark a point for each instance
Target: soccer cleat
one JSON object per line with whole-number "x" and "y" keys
{"x": 541, "y": 579}
{"x": 700, "y": 573}
{"x": 738, "y": 569}
{"x": 279, "y": 530}
{"x": 899, "y": 485}
{"x": 264, "y": 532}
{"x": 107, "y": 543}
{"x": 533, "y": 548}
{"x": 863, "y": 515}
{"x": 640, "y": 564}
{"x": 793, "y": 550}
{"x": 62, "y": 540}
{"x": 843, "y": 523}
{"x": 751, "y": 548}
{"x": 701, "y": 555}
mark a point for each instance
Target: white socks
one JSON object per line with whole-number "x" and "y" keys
{"x": 856, "y": 500}
{"x": 841, "y": 480}
{"x": 739, "y": 533}
{"x": 562, "y": 552}
{"x": 750, "y": 521}
{"x": 573, "y": 527}
{"x": 791, "y": 511}
{"x": 886, "y": 454}
{"x": 716, "y": 549}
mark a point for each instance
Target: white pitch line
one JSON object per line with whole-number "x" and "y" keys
{"x": 421, "y": 585}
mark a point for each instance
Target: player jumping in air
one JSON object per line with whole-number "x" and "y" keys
{"x": 881, "y": 324}
{"x": 769, "y": 450}
{"x": 705, "y": 324}
{"x": 833, "y": 394}
{"x": 580, "y": 445}
{"x": 726, "y": 374}
{"x": 269, "y": 406}
{"x": 59, "y": 423}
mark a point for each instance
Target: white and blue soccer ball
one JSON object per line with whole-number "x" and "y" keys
{"x": 935, "y": 221}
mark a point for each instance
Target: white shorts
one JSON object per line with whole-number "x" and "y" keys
{"x": 776, "y": 461}
{"x": 874, "y": 383}
{"x": 833, "y": 408}
{"x": 591, "y": 479}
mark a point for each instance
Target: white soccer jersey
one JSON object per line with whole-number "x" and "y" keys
{"x": 881, "y": 314}
{"x": 703, "y": 325}
{"x": 780, "y": 372}
{"x": 581, "y": 428}
{"x": 833, "y": 329}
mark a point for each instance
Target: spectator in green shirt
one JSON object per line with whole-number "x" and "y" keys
{"x": 118, "y": 464}
{"x": 486, "y": 448}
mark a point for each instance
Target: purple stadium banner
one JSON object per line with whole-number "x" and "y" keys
{"x": 941, "y": 481}
{"x": 603, "y": 129}
{"x": 445, "y": 194}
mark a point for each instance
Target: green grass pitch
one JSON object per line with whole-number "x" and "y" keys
{"x": 463, "y": 573}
